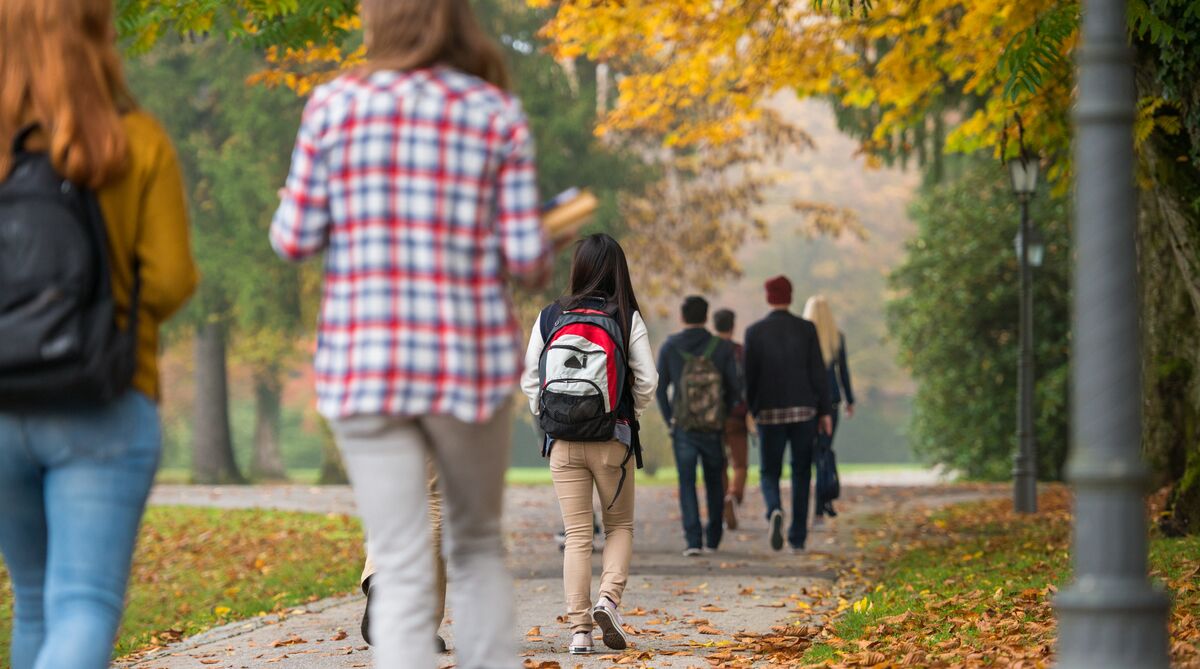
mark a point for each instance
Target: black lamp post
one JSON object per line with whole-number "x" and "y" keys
{"x": 1030, "y": 251}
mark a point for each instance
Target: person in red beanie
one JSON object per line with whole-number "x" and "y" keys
{"x": 788, "y": 394}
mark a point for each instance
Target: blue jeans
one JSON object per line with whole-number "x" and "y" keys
{"x": 824, "y": 445}
{"x": 775, "y": 439}
{"x": 73, "y": 485}
{"x": 706, "y": 448}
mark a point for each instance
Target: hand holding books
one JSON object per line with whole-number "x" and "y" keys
{"x": 566, "y": 213}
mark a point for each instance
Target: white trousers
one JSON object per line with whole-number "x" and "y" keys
{"x": 385, "y": 458}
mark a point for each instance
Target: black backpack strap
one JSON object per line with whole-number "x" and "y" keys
{"x": 629, "y": 451}
{"x": 95, "y": 215}
{"x": 547, "y": 319}
{"x": 23, "y": 135}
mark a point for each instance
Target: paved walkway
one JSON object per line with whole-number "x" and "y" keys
{"x": 680, "y": 606}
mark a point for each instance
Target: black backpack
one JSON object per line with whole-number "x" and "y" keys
{"x": 59, "y": 341}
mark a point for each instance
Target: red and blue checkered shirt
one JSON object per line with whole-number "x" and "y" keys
{"x": 421, "y": 189}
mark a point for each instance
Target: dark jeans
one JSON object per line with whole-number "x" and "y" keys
{"x": 707, "y": 448}
{"x": 824, "y": 444}
{"x": 775, "y": 440}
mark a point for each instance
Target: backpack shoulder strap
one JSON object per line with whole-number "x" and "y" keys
{"x": 711, "y": 348}
{"x": 548, "y": 318}
{"x": 22, "y": 136}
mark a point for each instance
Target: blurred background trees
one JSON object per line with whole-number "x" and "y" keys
{"x": 671, "y": 111}
{"x": 913, "y": 81}
{"x": 957, "y": 292}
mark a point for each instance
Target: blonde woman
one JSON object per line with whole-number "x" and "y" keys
{"x": 833, "y": 350}
{"x": 77, "y": 464}
{"x": 415, "y": 176}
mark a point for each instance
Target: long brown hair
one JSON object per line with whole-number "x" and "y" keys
{"x": 411, "y": 34}
{"x": 59, "y": 68}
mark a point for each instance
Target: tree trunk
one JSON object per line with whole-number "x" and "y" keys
{"x": 333, "y": 472}
{"x": 1169, "y": 259}
{"x": 602, "y": 88}
{"x": 212, "y": 451}
{"x": 267, "y": 464}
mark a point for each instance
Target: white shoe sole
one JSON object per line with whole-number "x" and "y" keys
{"x": 614, "y": 636}
{"x": 581, "y": 650}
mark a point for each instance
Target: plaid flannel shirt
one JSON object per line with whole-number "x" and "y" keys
{"x": 421, "y": 188}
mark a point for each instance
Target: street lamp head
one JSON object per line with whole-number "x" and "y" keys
{"x": 1024, "y": 172}
{"x": 1037, "y": 247}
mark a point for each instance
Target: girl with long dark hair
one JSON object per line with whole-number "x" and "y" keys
{"x": 598, "y": 449}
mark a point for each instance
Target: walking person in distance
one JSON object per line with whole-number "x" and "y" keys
{"x": 736, "y": 434}
{"x": 698, "y": 387}
{"x": 94, "y": 258}
{"x": 788, "y": 393}
{"x": 415, "y": 174}
{"x": 833, "y": 349}
{"x": 589, "y": 376}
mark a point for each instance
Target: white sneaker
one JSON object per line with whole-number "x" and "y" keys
{"x": 581, "y": 643}
{"x": 818, "y": 521}
{"x": 606, "y": 616}
{"x": 708, "y": 550}
{"x": 691, "y": 552}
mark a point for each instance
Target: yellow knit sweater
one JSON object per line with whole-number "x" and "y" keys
{"x": 146, "y": 214}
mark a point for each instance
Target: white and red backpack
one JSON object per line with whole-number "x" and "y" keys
{"x": 582, "y": 371}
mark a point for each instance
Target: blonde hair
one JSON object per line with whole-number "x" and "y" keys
{"x": 60, "y": 69}
{"x": 411, "y": 34}
{"x": 817, "y": 310}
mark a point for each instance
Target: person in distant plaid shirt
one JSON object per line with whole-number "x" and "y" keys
{"x": 415, "y": 175}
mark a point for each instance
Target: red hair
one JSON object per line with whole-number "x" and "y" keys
{"x": 60, "y": 69}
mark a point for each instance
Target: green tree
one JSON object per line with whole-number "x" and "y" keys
{"x": 955, "y": 320}
{"x": 234, "y": 141}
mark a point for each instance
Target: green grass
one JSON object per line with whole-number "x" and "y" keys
{"x": 981, "y": 562}
{"x": 183, "y": 475}
{"x": 199, "y": 568}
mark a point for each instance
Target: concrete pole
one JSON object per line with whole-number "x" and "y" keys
{"x": 1025, "y": 463}
{"x": 1110, "y": 616}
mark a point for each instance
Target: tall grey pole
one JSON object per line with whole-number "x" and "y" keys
{"x": 1110, "y": 616}
{"x": 1025, "y": 463}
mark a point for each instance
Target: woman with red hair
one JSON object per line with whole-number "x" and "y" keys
{"x": 76, "y": 467}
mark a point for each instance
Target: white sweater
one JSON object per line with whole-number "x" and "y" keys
{"x": 641, "y": 363}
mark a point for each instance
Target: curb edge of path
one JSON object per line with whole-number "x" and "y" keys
{"x": 236, "y": 629}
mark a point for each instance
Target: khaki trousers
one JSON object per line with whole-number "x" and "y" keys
{"x": 577, "y": 469}
{"x": 435, "y": 524}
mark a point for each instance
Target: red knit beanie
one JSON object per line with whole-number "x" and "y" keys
{"x": 779, "y": 290}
